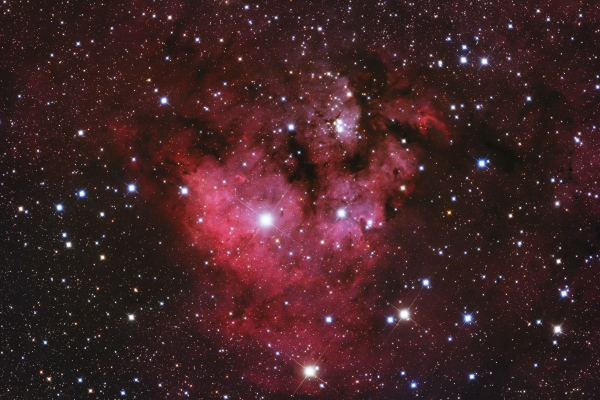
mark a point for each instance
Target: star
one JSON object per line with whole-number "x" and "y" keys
{"x": 310, "y": 371}
{"x": 266, "y": 220}
{"x": 404, "y": 314}
{"x": 557, "y": 329}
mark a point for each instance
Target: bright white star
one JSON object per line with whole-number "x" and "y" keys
{"x": 557, "y": 329}
{"x": 266, "y": 220}
{"x": 404, "y": 314}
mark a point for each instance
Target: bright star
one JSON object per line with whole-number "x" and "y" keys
{"x": 425, "y": 282}
{"x": 328, "y": 319}
{"x": 564, "y": 293}
{"x": 266, "y": 220}
{"x": 309, "y": 372}
{"x": 471, "y": 376}
{"x": 468, "y": 318}
{"x": 413, "y": 385}
{"x": 463, "y": 60}
{"x": 557, "y": 329}
{"x": 404, "y": 314}
{"x": 390, "y": 320}
{"x": 131, "y": 317}
{"x": 481, "y": 163}
{"x": 484, "y": 61}
{"x": 341, "y": 213}
{"x": 59, "y": 207}
{"x": 81, "y": 193}
{"x": 291, "y": 127}
{"x": 131, "y": 187}
{"x": 184, "y": 190}
{"x": 163, "y": 100}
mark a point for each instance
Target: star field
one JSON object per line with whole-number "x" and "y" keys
{"x": 284, "y": 199}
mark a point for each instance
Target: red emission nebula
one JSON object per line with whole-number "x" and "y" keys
{"x": 288, "y": 183}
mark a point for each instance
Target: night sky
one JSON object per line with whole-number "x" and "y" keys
{"x": 319, "y": 200}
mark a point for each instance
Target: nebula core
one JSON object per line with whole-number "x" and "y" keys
{"x": 353, "y": 200}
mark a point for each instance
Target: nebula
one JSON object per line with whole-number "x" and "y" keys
{"x": 274, "y": 200}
